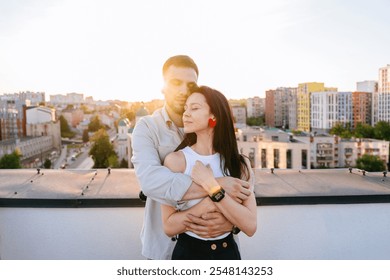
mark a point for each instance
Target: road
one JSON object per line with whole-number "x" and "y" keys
{"x": 82, "y": 161}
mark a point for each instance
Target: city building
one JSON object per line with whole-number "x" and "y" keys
{"x": 12, "y": 120}
{"x": 328, "y": 151}
{"x": 328, "y": 109}
{"x": 123, "y": 150}
{"x": 73, "y": 116}
{"x": 255, "y": 107}
{"x": 278, "y": 107}
{"x": 40, "y": 121}
{"x": 33, "y": 150}
{"x": 303, "y": 103}
{"x": 371, "y": 87}
{"x": 273, "y": 148}
{"x": 67, "y": 99}
{"x": 384, "y": 94}
{"x": 239, "y": 114}
{"x": 361, "y": 108}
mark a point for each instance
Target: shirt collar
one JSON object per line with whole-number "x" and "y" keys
{"x": 166, "y": 118}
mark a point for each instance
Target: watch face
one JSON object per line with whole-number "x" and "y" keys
{"x": 218, "y": 196}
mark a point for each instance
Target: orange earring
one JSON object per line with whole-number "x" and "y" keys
{"x": 212, "y": 123}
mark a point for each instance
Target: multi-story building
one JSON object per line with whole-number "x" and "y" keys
{"x": 73, "y": 116}
{"x": 123, "y": 150}
{"x": 255, "y": 107}
{"x": 239, "y": 114}
{"x": 273, "y": 148}
{"x": 278, "y": 107}
{"x": 32, "y": 149}
{"x": 12, "y": 119}
{"x": 69, "y": 98}
{"x": 384, "y": 94}
{"x": 352, "y": 149}
{"x": 292, "y": 109}
{"x": 25, "y": 97}
{"x": 361, "y": 108}
{"x": 40, "y": 121}
{"x": 35, "y": 98}
{"x": 303, "y": 103}
{"x": 329, "y": 108}
{"x": 371, "y": 87}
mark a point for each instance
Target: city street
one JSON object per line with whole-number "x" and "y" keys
{"x": 66, "y": 159}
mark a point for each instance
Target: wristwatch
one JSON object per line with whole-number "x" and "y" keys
{"x": 218, "y": 195}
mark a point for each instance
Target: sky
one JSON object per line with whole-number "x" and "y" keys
{"x": 115, "y": 49}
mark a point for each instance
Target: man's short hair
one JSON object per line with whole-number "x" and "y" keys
{"x": 180, "y": 61}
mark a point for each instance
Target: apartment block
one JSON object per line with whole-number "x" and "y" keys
{"x": 255, "y": 107}
{"x": 303, "y": 103}
{"x": 328, "y": 109}
{"x": 278, "y": 103}
{"x": 66, "y": 99}
{"x": 384, "y": 94}
{"x": 12, "y": 119}
{"x": 239, "y": 114}
{"x": 361, "y": 108}
{"x": 273, "y": 148}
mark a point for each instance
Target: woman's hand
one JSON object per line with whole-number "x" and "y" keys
{"x": 203, "y": 175}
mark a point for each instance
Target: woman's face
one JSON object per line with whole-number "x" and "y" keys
{"x": 196, "y": 113}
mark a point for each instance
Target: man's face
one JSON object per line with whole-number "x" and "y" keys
{"x": 178, "y": 82}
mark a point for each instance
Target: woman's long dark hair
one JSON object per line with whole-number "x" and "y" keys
{"x": 224, "y": 141}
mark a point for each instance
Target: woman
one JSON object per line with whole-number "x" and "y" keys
{"x": 208, "y": 151}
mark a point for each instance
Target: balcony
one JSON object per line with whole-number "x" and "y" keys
{"x": 69, "y": 214}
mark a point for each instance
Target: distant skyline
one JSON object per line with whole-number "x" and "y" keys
{"x": 115, "y": 49}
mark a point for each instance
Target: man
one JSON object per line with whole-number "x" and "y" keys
{"x": 153, "y": 138}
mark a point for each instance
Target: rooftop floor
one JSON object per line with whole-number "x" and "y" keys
{"x": 96, "y": 214}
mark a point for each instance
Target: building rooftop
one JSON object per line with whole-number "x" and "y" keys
{"x": 71, "y": 184}
{"x": 96, "y": 214}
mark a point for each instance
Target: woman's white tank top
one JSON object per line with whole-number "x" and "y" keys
{"x": 215, "y": 163}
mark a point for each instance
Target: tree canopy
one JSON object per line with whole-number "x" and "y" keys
{"x": 370, "y": 163}
{"x": 380, "y": 131}
{"x": 102, "y": 150}
{"x": 65, "y": 129}
{"x": 10, "y": 161}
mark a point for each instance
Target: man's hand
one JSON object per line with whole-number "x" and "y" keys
{"x": 236, "y": 188}
{"x": 209, "y": 225}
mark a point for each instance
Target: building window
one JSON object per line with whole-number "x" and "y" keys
{"x": 252, "y": 157}
{"x": 263, "y": 158}
{"x": 289, "y": 159}
{"x": 304, "y": 159}
{"x": 276, "y": 158}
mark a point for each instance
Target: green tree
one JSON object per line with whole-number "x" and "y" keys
{"x": 382, "y": 130}
{"x": 113, "y": 161}
{"x": 65, "y": 129}
{"x": 10, "y": 161}
{"x": 255, "y": 121}
{"x": 364, "y": 131}
{"x": 337, "y": 129}
{"x": 342, "y": 130}
{"x": 85, "y": 136}
{"x": 47, "y": 163}
{"x": 102, "y": 150}
{"x": 95, "y": 124}
{"x": 370, "y": 163}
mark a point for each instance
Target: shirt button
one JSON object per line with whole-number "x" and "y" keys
{"x": 213, "y": 246}
{"x": 224, "y": 244}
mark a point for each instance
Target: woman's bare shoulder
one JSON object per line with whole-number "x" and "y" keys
{"x": 175, "y": 161}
